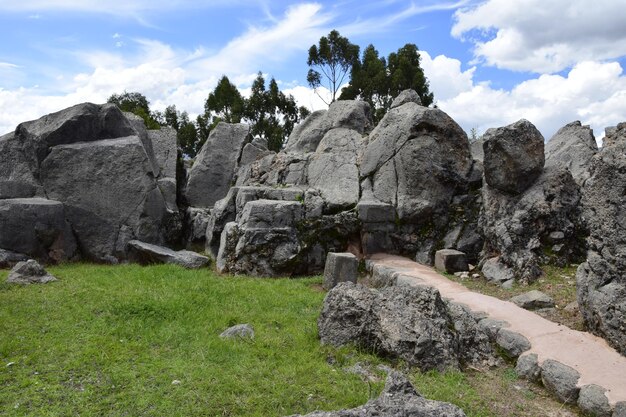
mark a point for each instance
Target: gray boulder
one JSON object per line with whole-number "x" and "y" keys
{"x": 519, "y": 227}
{"x": 592, "y": 401}
{"x": 349, "y": 114}
{"x": 416, "y": 158}
{"x": 333, "y": 169}
{"x": 533, "y": 300}
{"x": 145, "y": 253}
{"x": 38, "y": 228}
{"x": 513, "y": 344}
{"x": 513, "y": 156}
{"x": 399, "y": 398}
{"x": 109, "y": 192}
{"x": 81, "y": 123}
{"x": 165, "y": 150}
{"x": 213, "y": 171}
{"x": 495, "y": 271}
{"x": 340, "y": 267}
{"x": 572, "y": 147}
{"x": 561, "y": 380}
{"x": 406, "y": 96}
{"x": 253, "y": 151}
{"x": 527, "y": 367}
{"x": 29, "y": 272}
{"x": 409, "y": 323}
{"x": 600, "y": 282}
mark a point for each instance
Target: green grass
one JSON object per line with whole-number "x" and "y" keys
{"x": 109, "y": 341}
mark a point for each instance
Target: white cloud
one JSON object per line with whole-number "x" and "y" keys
{"x": 543, "y": 36}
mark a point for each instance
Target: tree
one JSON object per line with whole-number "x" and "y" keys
{"x": 379, "y": 81}
{"x": 271, "y": 114}
{"x": 332, "y": 60}
{"x": 224, "y": 103}
{"x": 135, "y": 103}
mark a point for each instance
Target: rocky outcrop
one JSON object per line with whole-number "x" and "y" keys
{"x": 87, "y": 176}
{"x": 572, "y": 147}
{"x": 399, "y": 398}
{"x": 408, "y": 323}
{"x": 600, "y": 282}
{"x": 513, "y": 156}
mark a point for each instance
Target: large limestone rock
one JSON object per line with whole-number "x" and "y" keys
{"x": 399, "y": 398}
{"x": 349, "y": 114}
{"x": 409, "y": 323}
{"x": 543, "y": 224}
{"x": 333, "y": 169}
{"x": 17, "y": 172}
{"x": 29, "y": 272}
{"x": 36, "y": 227}
{"x": 572, "y": 147}
{"x": 416, "y": 158}
{"x": 213, "y": 171}
{"x": 81, "y": 123}
{"x": 109, "y": 192}
{"x": 601, "y": 282}
{"x": 513, "y": 156}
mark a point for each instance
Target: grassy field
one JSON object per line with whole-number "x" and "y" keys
{"x": 144, "y": 341}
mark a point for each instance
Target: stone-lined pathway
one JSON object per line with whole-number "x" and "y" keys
{"x": 595, "y": 361}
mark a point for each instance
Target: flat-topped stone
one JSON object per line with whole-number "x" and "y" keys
{"x": 450, "y": 261}
{"x": 340, "y": 267}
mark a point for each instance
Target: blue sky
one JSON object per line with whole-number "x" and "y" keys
{"x": 489, "y": 62}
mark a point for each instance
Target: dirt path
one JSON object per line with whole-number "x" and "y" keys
{"x": 595, "y": 361}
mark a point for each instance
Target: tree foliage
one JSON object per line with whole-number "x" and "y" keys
{"x": 225, "y": 102}
{"x": 271, "y": 114}
{"x": 138, "y": 104}
{"x": 378, "y": 80}
{"x": 330, "y": 63}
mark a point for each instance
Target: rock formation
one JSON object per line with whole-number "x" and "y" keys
{"x": 601, "y": 282}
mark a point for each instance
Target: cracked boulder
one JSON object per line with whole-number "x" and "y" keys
{"x": 410, "y": 323}
{"x": 600, "y": 282}
{"x": 213, "y": 171}
{"x": 572, "y": 147}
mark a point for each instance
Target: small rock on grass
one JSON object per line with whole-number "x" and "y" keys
{"x": 561, "y": 380}
{"x": 29, "y": 272}
{"x": 240, "y": 331}
{"x": 533, "y": 300}
{"x": 593, "y": 401}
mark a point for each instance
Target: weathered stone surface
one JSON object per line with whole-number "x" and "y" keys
{"x": 376, "y": 212}
{"x": 213, "y": 171}
{"x": 518, "y": 227}
{"x": 406, "y": 96}
{"x": 196, "y": 224}
{"x": 417, "y": 157}
{"x": 349, "y": 114}
{"x": 9, "y": 259}
{"x": 533, "y": 300}
{"x": 514, "y": 156}
{"x": 239, "y": 331}
{"x": 17, "y": 172}
{"x": 450, "y": 261}
{"x": 109, "y": 192}
{"x": 601, "y": 282}
{"x": 476, "y": 148}
{"x": 409, "y": 323}
{"x": 593, "y": 402}
{"x": 491, "y": 327}
{"x": 572, "y": 147}
{"x": 561, "y": 380}
{"x": 512, "y": 343}
{"x": 340, "y": 267}
{"x": 165, "y": 150}
{"x": 146, "y": 253}
{"x": 620, "y": 409}
{"x": 282, "y": 169}
{"x": 81, "y": 123}
{"x": 527, "y": 367}
{"x": 399, "y": 398}
{"x": 254, "y": 150}
{"x": 29, "y": 272}
{"x": 333, "y": 169}
{"x": 496, "y": 271}
{"x": 36, "y": 227}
